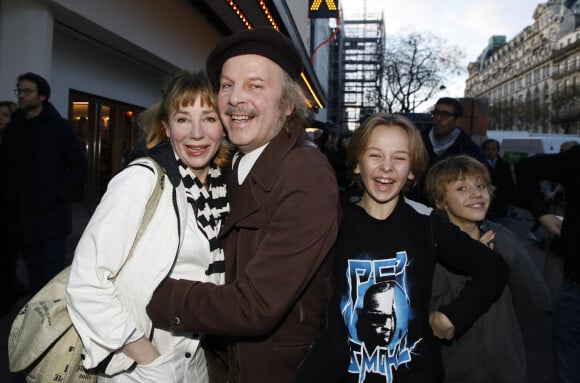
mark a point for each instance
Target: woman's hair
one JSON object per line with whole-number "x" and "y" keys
{"x": 361, "y": 136}
{"x": 182, "y": 90}
{"x": 450, "y": 170}
{"x": 151, "y": 126}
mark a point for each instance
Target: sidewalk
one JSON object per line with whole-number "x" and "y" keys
{"x": 80, "y": 220}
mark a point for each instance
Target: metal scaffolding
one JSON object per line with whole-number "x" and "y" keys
{"x": 357, "y": 86}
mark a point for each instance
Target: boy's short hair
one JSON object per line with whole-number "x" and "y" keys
{"x": 450, "y": 170}
{"x": 417, "y": 153}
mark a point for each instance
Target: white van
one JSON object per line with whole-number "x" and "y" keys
{"x": 514, "y": 149}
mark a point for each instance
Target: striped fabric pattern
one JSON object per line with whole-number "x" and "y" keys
{"x": 211, "y": 208}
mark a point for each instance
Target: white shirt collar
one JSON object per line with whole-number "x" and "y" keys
{"x": 247, "y": 162}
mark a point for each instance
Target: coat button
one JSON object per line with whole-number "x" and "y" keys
{"x": 177, "y": 321}
{"x": 188, "y": 354}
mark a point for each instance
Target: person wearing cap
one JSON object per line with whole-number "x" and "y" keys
{"x": 282, "y": 224}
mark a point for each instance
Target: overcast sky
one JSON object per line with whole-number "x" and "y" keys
{"x": 466, "y": 23}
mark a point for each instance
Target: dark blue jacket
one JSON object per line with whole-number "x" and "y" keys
{"x": 41, "y": 162}
{"x": 462, "y": 145}
{"x": 503, "y": 180}
{"x": 563, "y": 168}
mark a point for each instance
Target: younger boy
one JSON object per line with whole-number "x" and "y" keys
{"x": 492, "y": 350}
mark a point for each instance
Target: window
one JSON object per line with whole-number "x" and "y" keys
{"x": 108, "y": 129}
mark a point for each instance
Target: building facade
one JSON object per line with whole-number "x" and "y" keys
{"x": 108, "y": 60}
{"x": 532, "y": 82}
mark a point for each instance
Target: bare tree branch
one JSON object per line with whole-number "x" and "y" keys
{"x": 416, "y": 65}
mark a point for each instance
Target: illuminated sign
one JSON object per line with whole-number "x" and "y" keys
{"x": 322, "y": 9}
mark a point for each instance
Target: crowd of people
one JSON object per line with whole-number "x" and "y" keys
{"x": 256, "y": 268}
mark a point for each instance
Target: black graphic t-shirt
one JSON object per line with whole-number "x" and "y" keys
{"x": 383, "y": 280}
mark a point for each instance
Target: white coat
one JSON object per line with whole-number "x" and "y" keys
{"x": 111, "y": 313}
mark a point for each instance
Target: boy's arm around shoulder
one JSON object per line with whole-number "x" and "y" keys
{"x": 488, "y": 271}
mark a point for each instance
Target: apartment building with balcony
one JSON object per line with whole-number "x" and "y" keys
{"x": 532, "y": 82}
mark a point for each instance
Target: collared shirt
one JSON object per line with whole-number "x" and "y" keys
{"x": 247, "y": 162}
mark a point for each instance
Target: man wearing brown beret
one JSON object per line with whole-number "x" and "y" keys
{"x": 282, "y": 224}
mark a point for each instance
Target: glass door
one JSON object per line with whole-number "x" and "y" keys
{"x": 109, "y": 132}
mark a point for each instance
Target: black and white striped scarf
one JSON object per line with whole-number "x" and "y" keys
{"x": 210, "y": 206}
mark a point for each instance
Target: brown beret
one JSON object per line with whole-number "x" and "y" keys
{"x": 263, "y": 41}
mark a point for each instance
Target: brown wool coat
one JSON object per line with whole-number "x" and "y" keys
{"x": 277, "y": 240}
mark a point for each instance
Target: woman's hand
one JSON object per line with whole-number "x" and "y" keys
{"x": 141, "y": 351}
{"x": 441, "y": 325}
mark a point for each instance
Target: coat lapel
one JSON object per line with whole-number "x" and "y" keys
{"x": 244, "y": 203}
{"x": 242, "y": 199}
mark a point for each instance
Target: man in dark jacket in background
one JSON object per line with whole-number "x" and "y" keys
{"x": 41, "y": 162}
{"x": 501, "y": 178}
{"x": 446, "y": 139}
{"x": 562, "y": 168}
